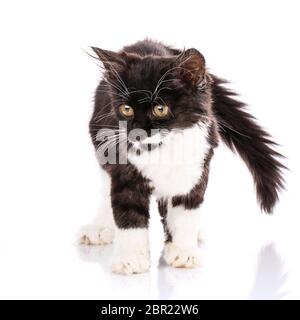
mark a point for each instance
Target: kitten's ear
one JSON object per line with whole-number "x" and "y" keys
{"x": 191, "y": 66}
{"x": 111, "y": 60}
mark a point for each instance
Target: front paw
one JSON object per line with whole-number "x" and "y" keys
{"x": 93, "y": 234}
{"x": 138, "y": 262}
{"x": 179, "y": 257}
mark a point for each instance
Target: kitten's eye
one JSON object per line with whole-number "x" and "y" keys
{"x": 126, "y": 111}
{"x": 161, "y": 111}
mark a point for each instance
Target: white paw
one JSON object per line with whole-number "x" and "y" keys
{"x": 131, "y": 263}
{"x": 181, "y": 257}
{"x": 93, "y": 234}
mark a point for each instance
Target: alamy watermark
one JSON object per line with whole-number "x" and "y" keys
{"x": 161, "y": 146}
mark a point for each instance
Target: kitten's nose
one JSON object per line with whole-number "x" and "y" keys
{"x": 138, "y": 138}
{"x": 142, "y": 138}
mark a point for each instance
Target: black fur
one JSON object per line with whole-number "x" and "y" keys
{"x": 193, "y": 96}
{"x": 130, "y": 197}
{"x": 240, "y": 131}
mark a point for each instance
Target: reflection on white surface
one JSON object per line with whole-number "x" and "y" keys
{"x": 270, "y": 276}
{"x": 268, "y": 281}
{"x": 244, "y": 256}
{"x": 248, "y": 256}
{"x": 137, "y": 286}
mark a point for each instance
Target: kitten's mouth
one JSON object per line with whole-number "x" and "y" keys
{"x": 139, "y": 147}
{"x": 141, "y": 144}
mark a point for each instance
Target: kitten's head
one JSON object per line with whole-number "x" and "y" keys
{"x": 157, "y": 92}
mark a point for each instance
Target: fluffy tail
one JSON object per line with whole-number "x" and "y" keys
{"x": 240, "y": 132}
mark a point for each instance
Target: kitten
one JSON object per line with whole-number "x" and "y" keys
{"x": 157, "y": 118}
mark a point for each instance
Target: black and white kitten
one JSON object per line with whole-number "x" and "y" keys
{"x": 158, "y": 117}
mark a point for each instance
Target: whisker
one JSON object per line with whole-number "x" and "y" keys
{"x": 162, "y": 88}
{"x": 142, "y": 90}
{"x": 118, "y": 94}
{"x": 230, "y": 128}
{"x": 108, "y": 145}
{"x": 119, "y": 89}
{"x": 144, "y": 99}
{"x": 108, "y": 133}
{"x": 118, "y": 77}
{"x": 104, "y": 126}
{"x": 103, "y": 116}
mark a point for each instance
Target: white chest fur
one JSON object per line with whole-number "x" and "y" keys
{"x": 176, "y": 166}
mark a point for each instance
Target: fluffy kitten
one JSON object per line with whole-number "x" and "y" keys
{"x": 158, "y": 117}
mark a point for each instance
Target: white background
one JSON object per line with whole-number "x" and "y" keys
{"x": 49, "y": 176}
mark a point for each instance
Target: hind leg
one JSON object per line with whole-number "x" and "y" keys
{"x": 101, "y": 230}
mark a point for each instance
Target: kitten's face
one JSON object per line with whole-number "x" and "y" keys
{"x": 158, "y": 93}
